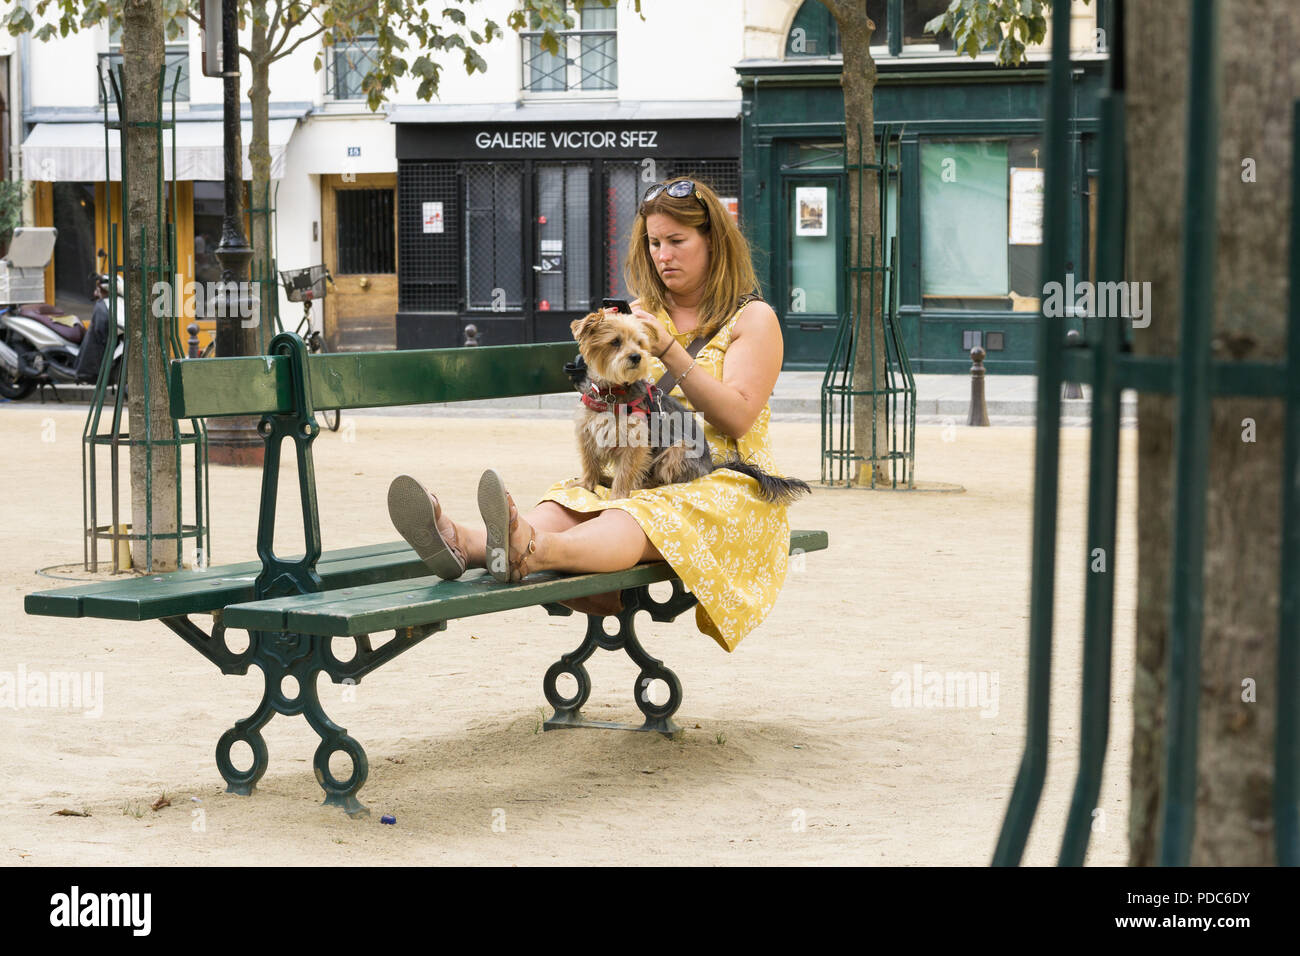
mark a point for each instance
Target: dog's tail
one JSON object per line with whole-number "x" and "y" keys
{"x": 777, "y": 491}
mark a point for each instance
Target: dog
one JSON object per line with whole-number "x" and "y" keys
{"x": 627, "y": 422}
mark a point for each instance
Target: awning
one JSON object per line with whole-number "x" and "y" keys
{"x": 74, "y": 152}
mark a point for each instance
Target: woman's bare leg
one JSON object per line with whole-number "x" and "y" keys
{"x": 612, "y": 541}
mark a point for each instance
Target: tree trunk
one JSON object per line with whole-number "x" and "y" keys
{"x": 259, "y": 157}
{"x": 142, "y": 49}
{"x": 1260, "y": 56}
{"x": 866, "y": 290}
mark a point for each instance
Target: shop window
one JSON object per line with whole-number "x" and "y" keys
{"x": 176, "y": 56}
{"x": 75, "y": 254}
{"x": 209, "y": 214}
{"x": 365, "y": 231}
{"x": 493, "y": 237}
{"x": 981, "y": 223}
{"x": 347, "y": 65}
{"x": 587, "y": 58}
{"x": 563, "y": 238}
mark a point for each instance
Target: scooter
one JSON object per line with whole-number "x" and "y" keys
{"x": 41, "y": 344}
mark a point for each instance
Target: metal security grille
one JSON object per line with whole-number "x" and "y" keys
{"x": 429, "y": 268}
{"x": 493, "y": 243}
{"x": 563, "y": 254}
{"x": 624, "y": 185}
{"x": 621, "y": 193}
{"x": 365, "y": 231}
{"x": 347, "y": 65}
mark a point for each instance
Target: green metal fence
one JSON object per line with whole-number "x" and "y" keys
{"x": 1194, "y": 379}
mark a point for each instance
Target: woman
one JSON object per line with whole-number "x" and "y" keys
{"x": 691, "y": 266}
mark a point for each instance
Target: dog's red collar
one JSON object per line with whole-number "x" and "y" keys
{"x": 612, "y": 396}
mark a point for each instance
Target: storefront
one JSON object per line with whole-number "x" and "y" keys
{"x": 65, "y": 164}
{"x": 965, "y": 202}
{"x": 519, "y": 225}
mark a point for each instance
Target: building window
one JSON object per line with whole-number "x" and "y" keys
{"x": 981, "y": 223}
{"x": 347, "y": 65}
{"x": 366, "y": 244}
{"x": 915, "y": 16}
{"x": 814, "y": 32}
{"x": 587, "y": 58}
{"x": 176, "y": 56}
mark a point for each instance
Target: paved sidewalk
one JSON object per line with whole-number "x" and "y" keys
{"x": 1010, "y": 400}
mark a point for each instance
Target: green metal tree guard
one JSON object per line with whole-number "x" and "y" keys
{"x": 1194, "y": 378}
{"x": 157, "y": 323}
{"x": 891, "y": 399}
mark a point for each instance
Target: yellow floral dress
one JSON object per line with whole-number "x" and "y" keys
{"x": 729, "y": 546}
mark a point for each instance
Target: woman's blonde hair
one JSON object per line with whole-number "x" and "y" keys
{"x": 731, "y": 270}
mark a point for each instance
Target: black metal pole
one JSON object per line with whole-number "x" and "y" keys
{"x": 233, "y": 441}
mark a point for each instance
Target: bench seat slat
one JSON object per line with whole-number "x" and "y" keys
{"x": 365, "y": 610}
{"x": 260, "y": 385}
{"x": 190, "y": 592}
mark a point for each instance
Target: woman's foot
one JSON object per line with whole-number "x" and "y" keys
{"x": 510, "y": 539}
{"x": 418, "y": 517}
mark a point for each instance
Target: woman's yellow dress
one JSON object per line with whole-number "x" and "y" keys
{"x": 729, "y": 546}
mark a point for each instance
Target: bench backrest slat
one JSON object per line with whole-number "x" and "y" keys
{"x": 202, "y": 388}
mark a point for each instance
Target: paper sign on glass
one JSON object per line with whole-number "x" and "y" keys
{"x": 1025, "y": 226}
{"x": 810, "y": 210}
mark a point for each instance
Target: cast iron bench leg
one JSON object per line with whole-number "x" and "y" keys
{"x": 280, "y": 655}
{"x": 658, "y": 717}
{"x": 300, "y": 656}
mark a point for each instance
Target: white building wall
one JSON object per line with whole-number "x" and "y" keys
{"x": 681, "y": 50}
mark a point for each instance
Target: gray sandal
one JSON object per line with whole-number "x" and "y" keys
{"x": 415, "y": 513}
{"x": 495, "y": 505}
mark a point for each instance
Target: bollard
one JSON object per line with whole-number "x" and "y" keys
{"x": 1072, "y": 389}
{"x": 193, "y": 343}
{"x": 979, "y": 412}
{"x": 471, "y": 335}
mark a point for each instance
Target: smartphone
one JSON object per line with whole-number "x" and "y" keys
{"x": 619, "y": 304}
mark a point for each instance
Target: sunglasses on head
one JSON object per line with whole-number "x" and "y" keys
{"x": 678, "y": 189}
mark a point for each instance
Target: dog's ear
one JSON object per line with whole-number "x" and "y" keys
{"x": 652, "y": 335}
{"x": 585, "y": 325}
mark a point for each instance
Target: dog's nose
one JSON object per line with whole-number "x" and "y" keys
{"x": 635, "y": 358}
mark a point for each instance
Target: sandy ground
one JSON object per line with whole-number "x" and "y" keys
{"x": 798, "y": 747}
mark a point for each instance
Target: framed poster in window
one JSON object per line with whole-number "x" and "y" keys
{"x": 810, "y": 211}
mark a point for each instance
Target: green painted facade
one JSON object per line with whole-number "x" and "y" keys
{"x": 793, "y": 106}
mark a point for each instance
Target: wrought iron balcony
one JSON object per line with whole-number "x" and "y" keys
{"x": 587, "y": 60}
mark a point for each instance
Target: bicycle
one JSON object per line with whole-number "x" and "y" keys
{"x": 305, "y": 286}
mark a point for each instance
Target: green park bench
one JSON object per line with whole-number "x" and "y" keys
{"x": 294, "y": 609}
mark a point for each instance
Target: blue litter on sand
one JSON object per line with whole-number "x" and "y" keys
{"x": 387, "y": 819}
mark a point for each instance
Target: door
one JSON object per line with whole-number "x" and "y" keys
{"x": 561, "y": 248}
{"x": 360, "y": 251}
{"x": 812, "y": 303}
